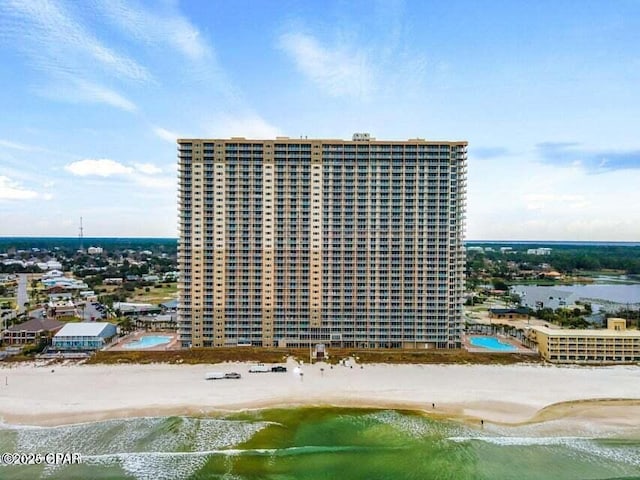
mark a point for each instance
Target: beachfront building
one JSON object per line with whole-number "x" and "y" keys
{"x": 84, "y": 336}
{"x": 291, "y": 242}
{"x": 30, "y": 331}
{"x": 615, "y": 344}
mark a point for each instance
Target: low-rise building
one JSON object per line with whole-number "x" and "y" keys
{"x": 536, "y": 298}
{"x": 519, "y": 313}
{"x": 8, "y": 280}
{"x": 539, "y": 251}
{"x": 614, "y": 344}
{"x": 84, "y": 336}
{"x": 129, "y": 308}
{"x": 30, "y": 331}
{"x": 61, "y": 309}
{"x": 65, "y": 283}
{"x": 162, "y": 322}
{"x": 49, "y": 265}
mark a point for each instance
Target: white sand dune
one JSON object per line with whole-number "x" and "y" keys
{"x": 49, "y": 395}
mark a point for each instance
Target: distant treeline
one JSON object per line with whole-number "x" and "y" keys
{"x": 569, "y": 258}
{"x": 166, "y": 245}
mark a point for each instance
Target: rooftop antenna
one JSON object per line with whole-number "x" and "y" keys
{"x": 81, "y": 234}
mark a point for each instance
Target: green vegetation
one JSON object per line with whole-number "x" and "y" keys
{"x": 7, "y": 302}
{"x": 268, "y": 355}
{"x": 564, "y": 258}
{"x": 37, "y": 348}
{"x": 565, "y": 317}
{"x": 195, "y": 355}
{"x": 71, "y": 244}
{"x": 156, "y": 295}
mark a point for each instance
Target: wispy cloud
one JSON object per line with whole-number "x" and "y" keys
{"x": 148, "y": 168}
{"x": 57, "y": 43}
{"x": 249, "y": 125}
{"x": 487, "y": 152}
{"x": 13, "y": 190}
{"x": 162, "y": 25}
{"x": 339, "y": 70}
{"x": 593, "y": 161}
{"x": 166, "y": 135}
{"x": 344, "y": 59}
{"x": 155, "y": 182}
{"x": 544, "y": 201}
{"x": 16, "y": 146}
{"x": 76, "y": 90}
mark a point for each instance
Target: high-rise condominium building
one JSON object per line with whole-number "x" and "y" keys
{"x": 294, "y": 242}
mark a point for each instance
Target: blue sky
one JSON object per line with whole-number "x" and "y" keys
{"x": 95, "y": 93}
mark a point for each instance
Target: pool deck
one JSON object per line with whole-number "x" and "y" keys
{"x": 518, "y": 347}
{"x": 120, "y": 344}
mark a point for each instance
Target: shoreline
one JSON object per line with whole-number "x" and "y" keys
{"x": 595, "y": 411}
{"x": 603, "y": 398}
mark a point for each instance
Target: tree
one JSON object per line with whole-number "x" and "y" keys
{"x": 499, "y": 284}
{"x": 126, "y": 325}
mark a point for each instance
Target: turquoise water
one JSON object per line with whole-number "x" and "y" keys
{"x": 148, "y": 341}
{"x": 491, "y": 343}
{"x": 322, "y": 443}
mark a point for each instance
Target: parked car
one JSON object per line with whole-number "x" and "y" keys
{"x": 278, "y": 368}
{"x": 232, "y": 375}
{"x": 214, "y": 376}
{"x": 259, "y": 368}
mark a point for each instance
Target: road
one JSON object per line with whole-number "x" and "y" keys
{"x": 22, "y": 296}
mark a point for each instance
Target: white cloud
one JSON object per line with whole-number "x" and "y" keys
{"x": 249, "y": 125}
{"x": 145, "y": 175}
{"x": 339, "y": 70}
{"x": 148, "y": 168}
{"x": 12, "y": 190}
{"x": 103, "y": 167}
{"x": 158, "y": 26}
{"x": 166, "y": 135}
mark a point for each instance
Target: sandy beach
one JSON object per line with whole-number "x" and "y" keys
{"x": 63, "y": 394}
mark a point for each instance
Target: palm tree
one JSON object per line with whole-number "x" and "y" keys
{"x": 126, "y": 325}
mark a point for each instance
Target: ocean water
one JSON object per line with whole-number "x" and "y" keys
{"x": 321, "y": 443}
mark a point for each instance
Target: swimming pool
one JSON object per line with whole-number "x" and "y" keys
{"x": 491, "y": 343}
{"x": 148, "y": 341}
